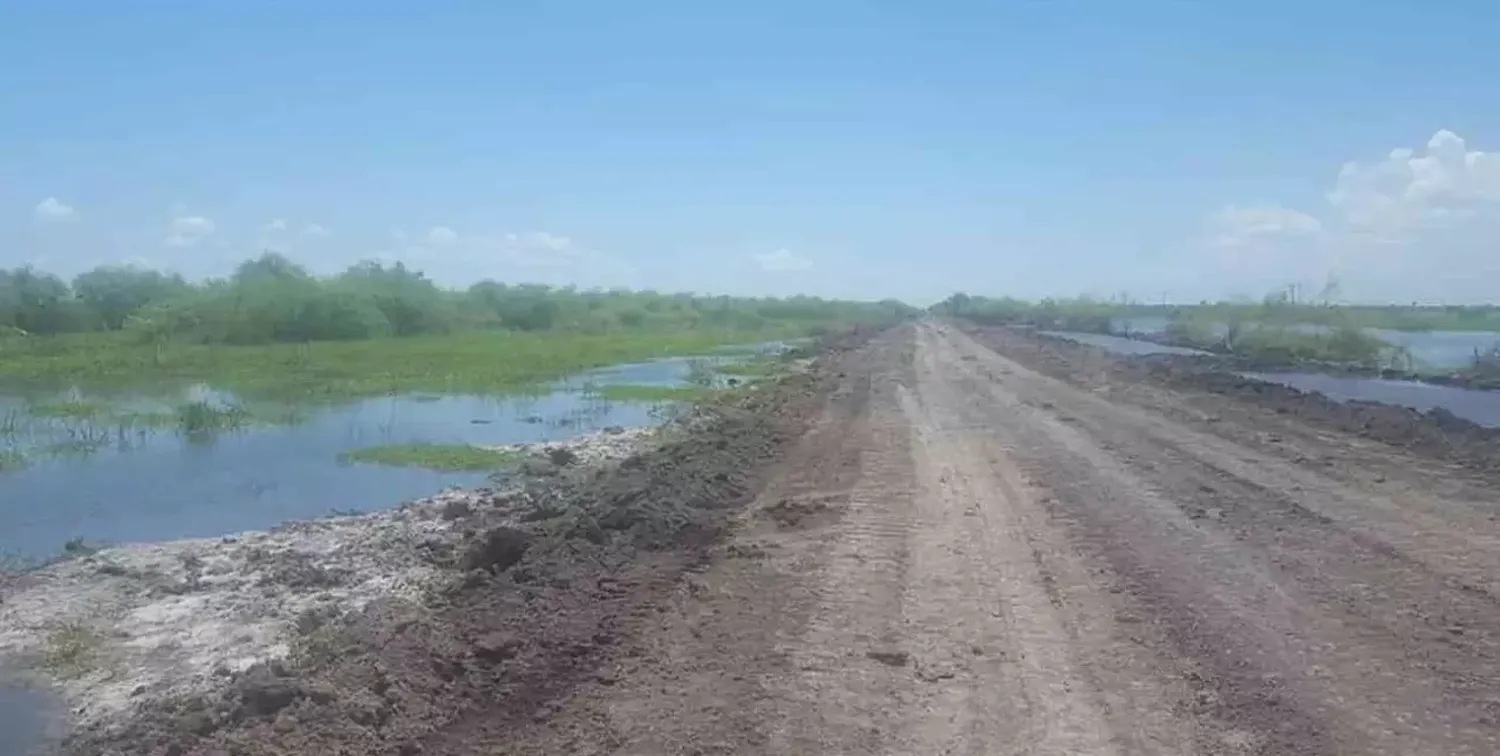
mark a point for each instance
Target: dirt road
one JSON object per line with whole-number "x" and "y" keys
{"x": 966, "y": 556}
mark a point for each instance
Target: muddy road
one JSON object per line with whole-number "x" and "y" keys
{"x": 957, "y": 541}
{"x": 963, "y": 555}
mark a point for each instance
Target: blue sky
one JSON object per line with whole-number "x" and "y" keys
{"x": 841, "y": 148}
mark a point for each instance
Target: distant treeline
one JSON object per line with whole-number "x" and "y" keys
{"x": 272, "y": 299}
{"x": 1280, "y": 308}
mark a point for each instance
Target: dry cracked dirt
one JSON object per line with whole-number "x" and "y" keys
{"x": 940, "y": 540}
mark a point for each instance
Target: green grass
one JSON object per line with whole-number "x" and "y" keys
{"x": 456, "y": 457}
{"x": 632, "y": 393}
{"x": 485, "y": 362}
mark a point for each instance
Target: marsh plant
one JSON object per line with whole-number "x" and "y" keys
{"x": 203, "y": 417}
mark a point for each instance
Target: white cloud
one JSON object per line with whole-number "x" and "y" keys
{"x": 1417, "y": 224}
{"x": 53, "y": 209}
{"x": 316, "y": 229}
{"x": 188, "y": 230}
{"x": 443, "y": 247}
{"x": 276, "y": 225}
{"x": 538, "y": 249}
{"x": 1407, "y": 192}
{"x": 782, "y": 260}
{"x": 1239, "y": 225}
{"x": 441, "y": 235}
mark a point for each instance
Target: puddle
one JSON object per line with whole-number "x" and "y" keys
{"x": 1122, "y": 345}
{"x": 154, "y": 485}
{"x": 24, "y": 716}
{"x": 1482, "y": 407}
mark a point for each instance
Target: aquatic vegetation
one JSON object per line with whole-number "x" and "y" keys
{"x": 12, "y": 459}
{"x": 636, "y": 393}
{"x": 482, "y": 362}
{"x": 200, "y": 417}
{"x": 455, "y": 457}
{"x": 71, "y": 408}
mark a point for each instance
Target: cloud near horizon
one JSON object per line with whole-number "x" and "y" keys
{"x": 53, "y": 208}
{"x": 782, "y": 261}
{"x": 1416, "y": 225}
{"x": 188, "y": 230}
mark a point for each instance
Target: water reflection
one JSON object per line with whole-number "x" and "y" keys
{"x": 1482, "y": 407}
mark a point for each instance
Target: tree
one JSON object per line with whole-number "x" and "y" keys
{"x": 112, "y": 293}
{"x": 37, "y": 302}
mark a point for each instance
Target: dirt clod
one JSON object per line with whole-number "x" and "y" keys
{"x": 889, "y": 657}
{"x": 496, "y": 550}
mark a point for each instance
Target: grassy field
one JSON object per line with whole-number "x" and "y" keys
{"x": 482, "y": 362}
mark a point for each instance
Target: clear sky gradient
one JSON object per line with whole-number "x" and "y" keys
{"x": 842, "y": 148}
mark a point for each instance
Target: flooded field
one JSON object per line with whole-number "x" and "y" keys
{"x": 125, "y": 479}
{"x": 1432, "y": 350}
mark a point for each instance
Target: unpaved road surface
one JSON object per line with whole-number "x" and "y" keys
{"x": 964, "y": 555}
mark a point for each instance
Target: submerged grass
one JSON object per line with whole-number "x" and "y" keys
{"x": 484, "y": 362}
{"x": 72, "y": 408}
{"x": 635, "y": 393}
{"x": 454, "y": 457}
{"x": 206, "y": 417}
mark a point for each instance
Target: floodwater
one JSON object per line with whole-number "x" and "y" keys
{"x": 1440, "y": 349}
{"x": 1121, "y": 345}
{"x": 1436, "y": 350}
{"x": 1482, "y": 407}
{"x": 156, "y": 485}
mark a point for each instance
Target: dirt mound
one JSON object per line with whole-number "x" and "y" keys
{"x": 534, "y": 606}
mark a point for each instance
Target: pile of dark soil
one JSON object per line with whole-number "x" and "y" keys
{"x": 536, "y": 606}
